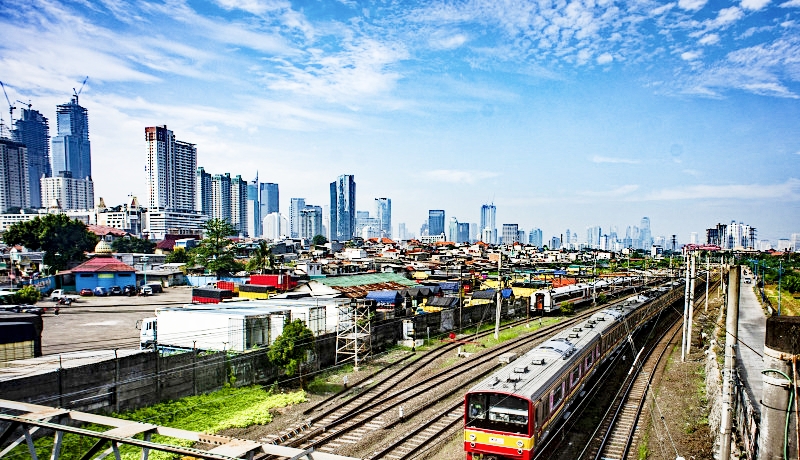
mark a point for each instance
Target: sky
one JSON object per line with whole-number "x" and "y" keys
{"x": 564, "y": 114}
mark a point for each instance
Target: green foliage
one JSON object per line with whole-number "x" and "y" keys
{"x": 27, "y": 295}
{"x": 289, "y": 349}
{"x": 177, "y": 256}
{"x": 133, "y": 245}
{"x": 568, "y": 308}
{"x": 215, "y": 252}
{"x": 262, "y": 259}
{"x": 319, "y": 240}
{"x": 602, "y": 299}
{"x": 62, "y": 239}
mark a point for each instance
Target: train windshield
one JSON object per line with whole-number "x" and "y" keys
{"x": 497, "y": 412}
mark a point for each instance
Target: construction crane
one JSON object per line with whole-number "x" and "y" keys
{"x": 29, "y": 104}
{"x": 10, "y": 107}
{"x": 78, "y": 92}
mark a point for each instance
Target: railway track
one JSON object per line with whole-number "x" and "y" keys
{"x": 619, "y": 428}
{"x": 375, "y": 403}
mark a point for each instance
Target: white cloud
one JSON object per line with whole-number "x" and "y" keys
{"x": 258, "y": 7}
{"x": 617, "y": 192}
{"x": 789, "y": 190}
{"x": 754, "y": 5}
{"x": 790, "y": 4}
{"x": 460, "y": 177}
{"x": 600, "y": 159}
{"x": 448, "y": 42}
{"x": 710, "y": 39}
{"x": 725, "y": 17}
{"x": 361, "y": 69}
{"x": 605, "y": 58}
{"x": 692, "y": 5}
{"x": 691, "y": 55}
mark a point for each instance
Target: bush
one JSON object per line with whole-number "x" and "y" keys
{"x": 568, "y": 308}
{"x": 27, "y": 295}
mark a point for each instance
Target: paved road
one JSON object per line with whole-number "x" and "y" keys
{"x": 94, "y": 323}
{"x": 752, "y": 331}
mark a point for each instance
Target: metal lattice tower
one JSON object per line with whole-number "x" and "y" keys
{"x": 354, "y": 333}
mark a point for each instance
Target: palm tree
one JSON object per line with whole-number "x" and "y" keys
{"x": 262, "y": 258}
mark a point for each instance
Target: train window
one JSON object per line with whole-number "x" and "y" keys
{"x": 476, "y": 407}
{"x": 589, "y": 361}
{"x": 498, "y": 412}
{"x": 575, "y": 377}
{"x": 556, "y": 396}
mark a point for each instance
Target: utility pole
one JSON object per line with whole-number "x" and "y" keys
{"x": 691, "y": 305}
{"x": 708, "y": 278}
{"x": 685, "y": 312}
{"x": 499, "y": 298}
{"x": 731, "y": 333}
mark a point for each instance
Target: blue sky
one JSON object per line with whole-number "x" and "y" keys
{"x": 564, "y": 114}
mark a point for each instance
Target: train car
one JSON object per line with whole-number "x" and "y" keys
{"x": 550, "y": 300}
{"x": 512, "y": 412}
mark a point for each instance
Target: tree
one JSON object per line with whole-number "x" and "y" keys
{"x": 215, "y": 252}
{"x": 177, "y": 256}
{"x": 134, "y": 245}
{"x": 262, "y": 259}
{"x": 290, "y": 348}
{"x": 319, "y": 240}
{"x": 62, "y": 239}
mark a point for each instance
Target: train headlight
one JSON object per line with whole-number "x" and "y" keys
{"x": 472, "y": 444}
{"x": 519, "y": 443}
{"x": 519, "y": 451}
{"x": 471, "y": 437}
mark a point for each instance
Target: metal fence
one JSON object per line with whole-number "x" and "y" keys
{"x": 747, "y": 418}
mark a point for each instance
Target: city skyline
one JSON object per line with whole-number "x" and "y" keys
{"x": 562, "y": 116}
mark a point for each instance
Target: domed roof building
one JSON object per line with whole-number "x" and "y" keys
{"x": 103, "y": 270}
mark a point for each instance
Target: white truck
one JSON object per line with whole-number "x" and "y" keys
{"x": 58, "y": 294}
{"x": 203, "y": 328}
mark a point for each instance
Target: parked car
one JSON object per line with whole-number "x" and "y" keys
{"x": 100, "y": 291}
{"x": 115, "y": 290}
{"x": 129, "y": 290}
{"x": 32, "y": 309}
{"x": 86, "y": 292}
{"x": 145, "y": 290}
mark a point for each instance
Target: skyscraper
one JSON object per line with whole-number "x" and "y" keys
{"x": 32, "y": 129}
{"x": 535, "y": 237}
{"x": 71, "y": 152}
{"x": 171, "y": 170}
{"x": 221, "y": 197}
{"x": 268, "y": 198}
{"x": 463, "y": 232}
{"x": 239, "y": 205}
{"x": 452, "y": 230}
{"x": 253, "y": 209}
{"x": 488, "y": 212}
{"x": 295, "y": 206}
{"x": 14, "y": 186}
{"x": 343, "y": 208}
{"x": 644, "y": 234}
{"x": 435, "y": 221}
{"x": 310, "y": 221}
{"x": 383, "y": 212}
{"x": 510, "y": 233}
{"x": 203, "y": 191}
{"x": 70, "y": 193}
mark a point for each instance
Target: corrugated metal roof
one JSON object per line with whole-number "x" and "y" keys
{"x": 367, "y": 279}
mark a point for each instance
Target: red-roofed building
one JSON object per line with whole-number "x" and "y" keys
{"x": 170, "y": 241}
{"x": 103, "y": 270}
{"x": 107, "y": 233}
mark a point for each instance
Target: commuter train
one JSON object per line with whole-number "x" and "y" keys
{"x": 509, "y": 414}
{"x": 550, "y": 300}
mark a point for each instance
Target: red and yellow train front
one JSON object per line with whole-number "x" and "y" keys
{"x": 498, "y": 426}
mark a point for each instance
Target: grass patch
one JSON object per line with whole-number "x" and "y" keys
{"x": 790, "y": 306}
{"x": 209, "y": 413}
{"x": 508, "y": 333}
